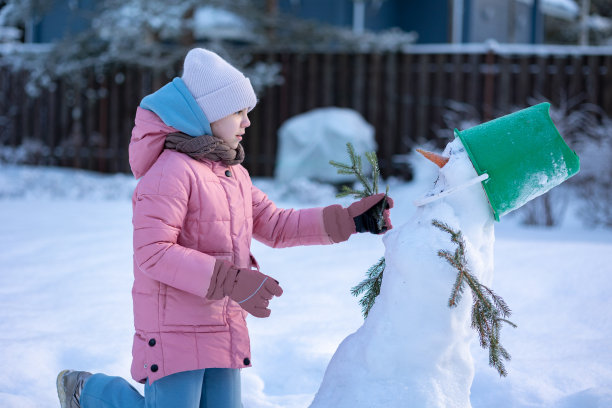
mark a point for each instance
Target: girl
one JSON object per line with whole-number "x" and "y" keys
{"x": 194, "y": 213}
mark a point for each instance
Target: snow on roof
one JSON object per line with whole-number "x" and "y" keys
{"x": 565, "y": 9}
{"x": 599, "y": 23}
{"x": 9, "y": 34}
{"x": 215, "y": 22}
{"x": 507, "y": 49}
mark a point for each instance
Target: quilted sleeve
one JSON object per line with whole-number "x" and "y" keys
{"x": 279, "y": 228}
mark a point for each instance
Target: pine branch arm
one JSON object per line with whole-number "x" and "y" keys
{"x": 489, "y": 310}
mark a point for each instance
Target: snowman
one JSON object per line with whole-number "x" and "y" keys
{"x": 413, "y": 350}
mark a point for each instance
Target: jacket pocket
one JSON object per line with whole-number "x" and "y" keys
{"x": 185, "y": 309}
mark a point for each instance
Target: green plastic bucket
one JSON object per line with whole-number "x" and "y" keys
{"x": 523, "y": 154}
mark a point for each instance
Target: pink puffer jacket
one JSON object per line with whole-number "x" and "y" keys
{"x": 187, "y": 214}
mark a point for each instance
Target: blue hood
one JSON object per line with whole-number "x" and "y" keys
{"x": 176, "y": 107}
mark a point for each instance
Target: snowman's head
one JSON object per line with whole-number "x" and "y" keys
{"x": 457, "y": 183}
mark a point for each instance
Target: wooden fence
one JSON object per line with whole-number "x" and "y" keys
{"x": 403, "y": 95}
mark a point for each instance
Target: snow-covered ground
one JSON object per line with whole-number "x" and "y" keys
{"x": 66, "y": 274}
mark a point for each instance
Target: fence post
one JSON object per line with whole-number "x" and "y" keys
{"x": 373, "y": 94}
{"x": 389, "y": 106}
{"x": 406, "y": 102}
{"x": 504, "y": 95}
{"x": 439, "y": 94}
{"x": 473, "y": 79}
{"x": 540, "y": 76}
{"x": 312, "y": 81}
{"x": 103, "y": 112}
{"x": 593, "y": 79}
{"x": 343, "y": 75}
{"x": 607, "y": 80}
{"x": 422, "y": 98}
{"x": 328, "y": 79}
{"x": 270, "y": 116}
{"x": 358, "y": 102}
{"x": 489, "y": 83}
{"x": 523, "y": 83}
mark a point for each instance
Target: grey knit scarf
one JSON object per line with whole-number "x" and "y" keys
{"x": 204, "y": 147}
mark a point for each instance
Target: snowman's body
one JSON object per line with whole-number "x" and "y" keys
{"x": 413, "y": 350}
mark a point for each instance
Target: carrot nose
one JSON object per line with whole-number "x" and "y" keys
{"x": 434, "y": 157}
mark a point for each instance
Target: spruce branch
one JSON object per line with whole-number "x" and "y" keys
{"x": 370, "y": 286}
{"x": 370, "y": 184}
{"x": 489, "y": 310}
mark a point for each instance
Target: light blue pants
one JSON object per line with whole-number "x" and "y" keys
{"x": 209, "y": 388}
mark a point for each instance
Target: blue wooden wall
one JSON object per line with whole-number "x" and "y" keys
{"x": 430, "y": 19}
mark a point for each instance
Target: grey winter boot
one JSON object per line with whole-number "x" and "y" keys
{"x": 69, "y": 386}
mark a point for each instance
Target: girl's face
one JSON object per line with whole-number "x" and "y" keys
{"x": 231, "y": 128}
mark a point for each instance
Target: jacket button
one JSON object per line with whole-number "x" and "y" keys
{"x": 152, "y": 342}
{"x": 246, "y": 361}
{"x": 154, "y": 368}
{"x": 228, "y": 173}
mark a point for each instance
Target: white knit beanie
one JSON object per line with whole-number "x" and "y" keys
{"x": 218, "y": 88}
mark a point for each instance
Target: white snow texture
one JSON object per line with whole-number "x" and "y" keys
{"x": 412, "y": 349}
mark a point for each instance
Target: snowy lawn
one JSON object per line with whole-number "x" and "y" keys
{"x": 65, "y": 302}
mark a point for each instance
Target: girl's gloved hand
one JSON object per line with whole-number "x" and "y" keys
{"x": 361, "y": 216}
{"x": 251, "y": 289}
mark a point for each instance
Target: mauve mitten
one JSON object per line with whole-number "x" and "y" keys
{"x": 251, "y": 289}
{"x": 361, "y": 216}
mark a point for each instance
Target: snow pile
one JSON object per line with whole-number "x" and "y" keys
{"x": 308, "y": 142}
{"x": 413, "y": 350}
{"x": 29, "y": 182}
